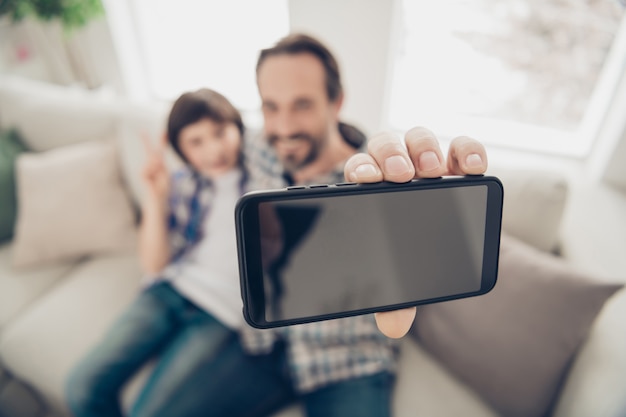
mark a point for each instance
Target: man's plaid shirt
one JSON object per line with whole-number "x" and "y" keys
{"x": 319, "y": 353}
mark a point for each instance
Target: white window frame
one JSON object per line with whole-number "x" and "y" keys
{"x": 524, "y": 137}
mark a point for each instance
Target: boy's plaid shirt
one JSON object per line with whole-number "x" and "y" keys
{"x": 319, "y": 353}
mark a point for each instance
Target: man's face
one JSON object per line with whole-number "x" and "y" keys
{"x": 298, "y": 114}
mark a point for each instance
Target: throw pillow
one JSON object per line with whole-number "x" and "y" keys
{"x": 11, "y": 146}
{"x": 72, "y": 204}
{"x": 534, "y": 202}
{"x": 513, "y": 346}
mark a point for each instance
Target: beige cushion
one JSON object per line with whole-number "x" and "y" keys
{"x": 426, "y": 388}
{"x": 19, "y": 288}
{"x": 47, "y": 340}
{"x": 71, "y": 204}
{"x": 596, "y": 381}
{"x": 534, "y": 202}
{"x": 514, "y": 344}
{"x": 48, "y": 116}
{"x": 594, "y": 229}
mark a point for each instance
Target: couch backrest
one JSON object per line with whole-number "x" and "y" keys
{"x": 534, "y": 202}
{"x": 50, "y": 116}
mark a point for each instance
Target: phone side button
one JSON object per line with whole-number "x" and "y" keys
{"x": 297, "y": 187}
{"x": 343, "y": 184}
{"x": 318, "y": 186}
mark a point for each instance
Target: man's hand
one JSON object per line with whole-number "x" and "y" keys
{"x": 387, "y": 159}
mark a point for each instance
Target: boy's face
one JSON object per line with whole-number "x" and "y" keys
{"x": 297, "y": 112}
{"x": 211, "y": 148}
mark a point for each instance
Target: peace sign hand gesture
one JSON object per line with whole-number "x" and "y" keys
{"x": 155, "y": 175}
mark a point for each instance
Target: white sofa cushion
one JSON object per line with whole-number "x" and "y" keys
{"x": 18, "y": 289}
{"x": 426, "y": 388}
{"x": 534, "y": 202}
{"x": 71, "y": 204}
{"x": 47, "y": 340}
{"x": 594, "y": 229}
{"x": 596, "y": 381}
{"x": 48, "y": 116}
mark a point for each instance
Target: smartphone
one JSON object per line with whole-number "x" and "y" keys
{"x": 326, "y": 251}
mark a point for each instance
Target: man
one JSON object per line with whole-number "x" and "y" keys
{"x": 302, "y": 95}
{"x": 345, "y": 366}
{"x": 337, "y": 367}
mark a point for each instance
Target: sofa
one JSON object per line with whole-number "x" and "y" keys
{"x": 58, "y": 303}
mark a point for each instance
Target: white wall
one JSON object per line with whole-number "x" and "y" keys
{"x": 615, "y": 173}
{"x": 358, "y": 33}
{"x": 610, "y": 158}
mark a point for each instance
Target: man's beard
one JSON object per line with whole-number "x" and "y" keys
{"x": 290, "y": 162}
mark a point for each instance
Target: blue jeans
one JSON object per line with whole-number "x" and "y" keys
{"x": 202, "y": 370}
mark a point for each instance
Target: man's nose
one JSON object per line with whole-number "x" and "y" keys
{"x": 284, "y": 125}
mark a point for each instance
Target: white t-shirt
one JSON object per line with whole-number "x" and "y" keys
{"x": 209, "y": 275}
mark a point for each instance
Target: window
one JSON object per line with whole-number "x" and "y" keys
{"x": 187, "y": 44}
{"x": 530, "y": 74}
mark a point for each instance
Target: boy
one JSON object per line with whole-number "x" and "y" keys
{"x": 187, "y": 249}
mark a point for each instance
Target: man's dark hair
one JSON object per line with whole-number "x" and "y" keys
{"x": 298, "y": 43}
{"x": 194, "y": 106}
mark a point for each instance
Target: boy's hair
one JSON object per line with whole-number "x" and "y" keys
{"x": 298, "y": 43}
{"x": 194, "y": 106}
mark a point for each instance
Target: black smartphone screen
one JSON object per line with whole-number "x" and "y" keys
{"x": 336, "y": 251}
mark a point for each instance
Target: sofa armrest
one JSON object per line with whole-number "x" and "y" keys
{"x": 593, "y": 230}
{"x": 596, "y": 381}
{"x": 593, "y": 238}
{"x": 534, "y": 202}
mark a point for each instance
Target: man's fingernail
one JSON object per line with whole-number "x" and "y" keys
{"x": 364, "y": 171}
{"x": 474, "y": 160}
{"x": 428, "y": 161}
{"x": 396, "y": 165}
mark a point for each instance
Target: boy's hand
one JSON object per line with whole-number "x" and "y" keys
{"x": 155, "y": 175}
{"x": 389, "y": 160}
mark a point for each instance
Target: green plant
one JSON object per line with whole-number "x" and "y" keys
{"x": 71, "y": 13}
